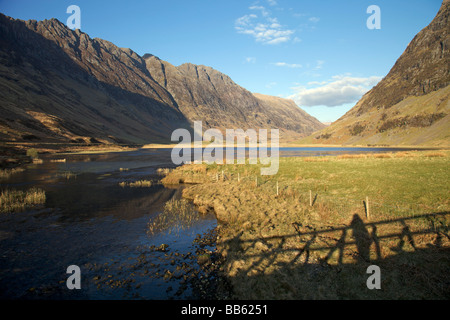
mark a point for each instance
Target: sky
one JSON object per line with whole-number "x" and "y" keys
{"x": 320, "y": 53}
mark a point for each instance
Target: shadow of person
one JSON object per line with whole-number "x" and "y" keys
{"x": 340, "y": 245}
{"x": 376, "y": 241}
{"x": 362, "y": 238}
{"x": 406, "y": 233}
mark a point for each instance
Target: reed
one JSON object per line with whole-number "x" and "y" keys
{"x": 136, "y": 184}
{"x": 18, "y": 200}
{"x": 176, "y": 216}
{"x": 6, "y": 173}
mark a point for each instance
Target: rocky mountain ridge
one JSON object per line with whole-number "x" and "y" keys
{"x": 61, "y": 85}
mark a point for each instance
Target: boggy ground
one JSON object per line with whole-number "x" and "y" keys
{"x": 318, "y": 244}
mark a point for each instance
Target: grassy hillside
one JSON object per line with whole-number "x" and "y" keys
{"x": 417, "y": 120}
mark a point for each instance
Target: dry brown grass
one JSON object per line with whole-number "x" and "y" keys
{"x": 403, "y": 154}
{"x": 6, "y": 173}
{"x": 352, "y": 156}
{"x": 177, "y": 215}
{"x": 67, "y": 175}
{"x": 435, "y": 154}
{"x": 315, "y": 159}
{"x": 195, "y": 168}
{"x": 381, "y": 155}
{"x": 16, "y": 200}
{"x": 163, "y": 171}
{"x": 137, "y": 184}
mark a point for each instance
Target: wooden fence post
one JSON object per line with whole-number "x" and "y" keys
{"x": 367, "y": 208}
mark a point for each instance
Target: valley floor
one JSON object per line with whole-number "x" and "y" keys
{"x": 312, "y": 230}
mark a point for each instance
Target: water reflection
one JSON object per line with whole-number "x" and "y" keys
{"x": 89, "y": 221}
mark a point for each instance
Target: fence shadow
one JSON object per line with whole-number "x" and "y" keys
{"x": 331, "y": 263}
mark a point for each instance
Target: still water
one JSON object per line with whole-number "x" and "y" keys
{"x": 92, "y": 222}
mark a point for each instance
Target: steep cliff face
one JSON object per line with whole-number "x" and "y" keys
{"x": 61, "y": 85}
{"x": 58, "y": 84}
{"x": 411, "y": 104}
{"x": 203, "y": 93}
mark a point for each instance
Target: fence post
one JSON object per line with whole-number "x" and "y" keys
{"x": 239, "y": 177}
{"x": 256, "y": 181}
{"x": 367, "y": 208}
{"x": 277, "y": 188}
{"x": 223, "y": 178}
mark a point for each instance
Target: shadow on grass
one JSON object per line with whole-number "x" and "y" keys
{"x": 331, "y": 263}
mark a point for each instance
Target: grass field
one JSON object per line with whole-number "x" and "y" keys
{"x": 305, "y": 232}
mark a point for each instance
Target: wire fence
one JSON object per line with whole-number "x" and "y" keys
{"x": 371, "y": 207}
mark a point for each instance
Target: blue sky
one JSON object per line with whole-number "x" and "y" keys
{"x": 319, "y": 53}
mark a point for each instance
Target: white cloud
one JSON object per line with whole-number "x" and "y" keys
{"x": 341, "y": 89}
{"x": 263, "y": 10}
{"x": 245, "y": 20}
{"x": 263, "y": 28}
{"x": 314, "y": 19}
{"x": 250, "y": 60}
{"x": 272, "y": 2}
{"x": 288, "y": 65}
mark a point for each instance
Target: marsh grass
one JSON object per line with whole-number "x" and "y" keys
{"x": 6, "y": 173}
{"x": 163, "y": 171}
{"x": 17, "y": 200}
{"x": 177, "y": 215}
{"x": 137, "y": 184}
{"x": 67, "y": 175}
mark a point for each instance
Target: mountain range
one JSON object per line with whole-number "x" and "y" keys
{"x": 59, "y": 85}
